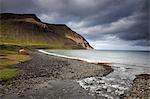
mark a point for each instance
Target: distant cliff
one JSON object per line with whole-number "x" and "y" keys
{"x": 28, "y": 30}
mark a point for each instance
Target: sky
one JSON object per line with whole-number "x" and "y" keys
{"x": 105, "y": 24}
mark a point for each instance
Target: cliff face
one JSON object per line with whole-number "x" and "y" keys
{"x": 28, "y": 30}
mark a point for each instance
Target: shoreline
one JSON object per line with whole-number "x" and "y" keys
{"x": 50, "y": 76}
{"x": 139, "y": 84}
{"x": 63, "y": 56}
{"x": 44, "y": 68}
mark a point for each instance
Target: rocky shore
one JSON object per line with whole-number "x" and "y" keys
{"x": 140, "y": 88}
{"x": 51, "y": 77}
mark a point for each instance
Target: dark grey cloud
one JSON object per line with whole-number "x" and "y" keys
{"x": 17, "y": 6}
{"x": 140, "y": 30}
{"x": 142, "y": 43}
{"x": 127, "y": 20}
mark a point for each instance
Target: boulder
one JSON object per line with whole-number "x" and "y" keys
{"x": 23, "y": 52}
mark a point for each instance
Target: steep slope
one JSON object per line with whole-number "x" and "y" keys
{"x": 28, "y": 30}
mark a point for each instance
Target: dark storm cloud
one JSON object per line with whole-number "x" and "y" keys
{"x": 17, "y": 6}
{"x": 95, "y": 19}
{"x": 140, "y": 30}
{"x": 142, "y": 43}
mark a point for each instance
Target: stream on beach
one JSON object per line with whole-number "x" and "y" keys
{"x": 126, "y": 65}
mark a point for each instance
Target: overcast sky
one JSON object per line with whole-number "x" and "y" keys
{"x": 106, "y": 24}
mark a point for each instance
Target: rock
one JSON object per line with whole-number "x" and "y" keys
{"x": 140, "y": 88}
{"x": 23, "y": 52}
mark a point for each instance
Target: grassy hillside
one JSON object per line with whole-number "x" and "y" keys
{"x": 28, "y": 30}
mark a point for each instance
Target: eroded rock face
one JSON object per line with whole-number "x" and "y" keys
{"x": 30, "y": 30}
{"x": 78, "y": 39}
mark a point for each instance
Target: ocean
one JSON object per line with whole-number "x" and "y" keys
{"x": 126, "y": 65}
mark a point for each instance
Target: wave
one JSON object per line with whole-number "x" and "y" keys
{"x": 54, "y": 54}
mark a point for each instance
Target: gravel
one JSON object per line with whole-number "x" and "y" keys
{"x": 44, "y": 68}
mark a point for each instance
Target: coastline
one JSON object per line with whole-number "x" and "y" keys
{"x": 42, "y": 69}
{"x": 63, "y": 56}
{"x": 140, "y": 85}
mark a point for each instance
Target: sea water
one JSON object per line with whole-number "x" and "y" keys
{"x": 126, "y": 65}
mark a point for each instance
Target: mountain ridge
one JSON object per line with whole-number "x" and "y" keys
{"x": 28, "y": 29}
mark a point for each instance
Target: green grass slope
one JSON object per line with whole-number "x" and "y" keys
{"x": 27, "y": 30}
